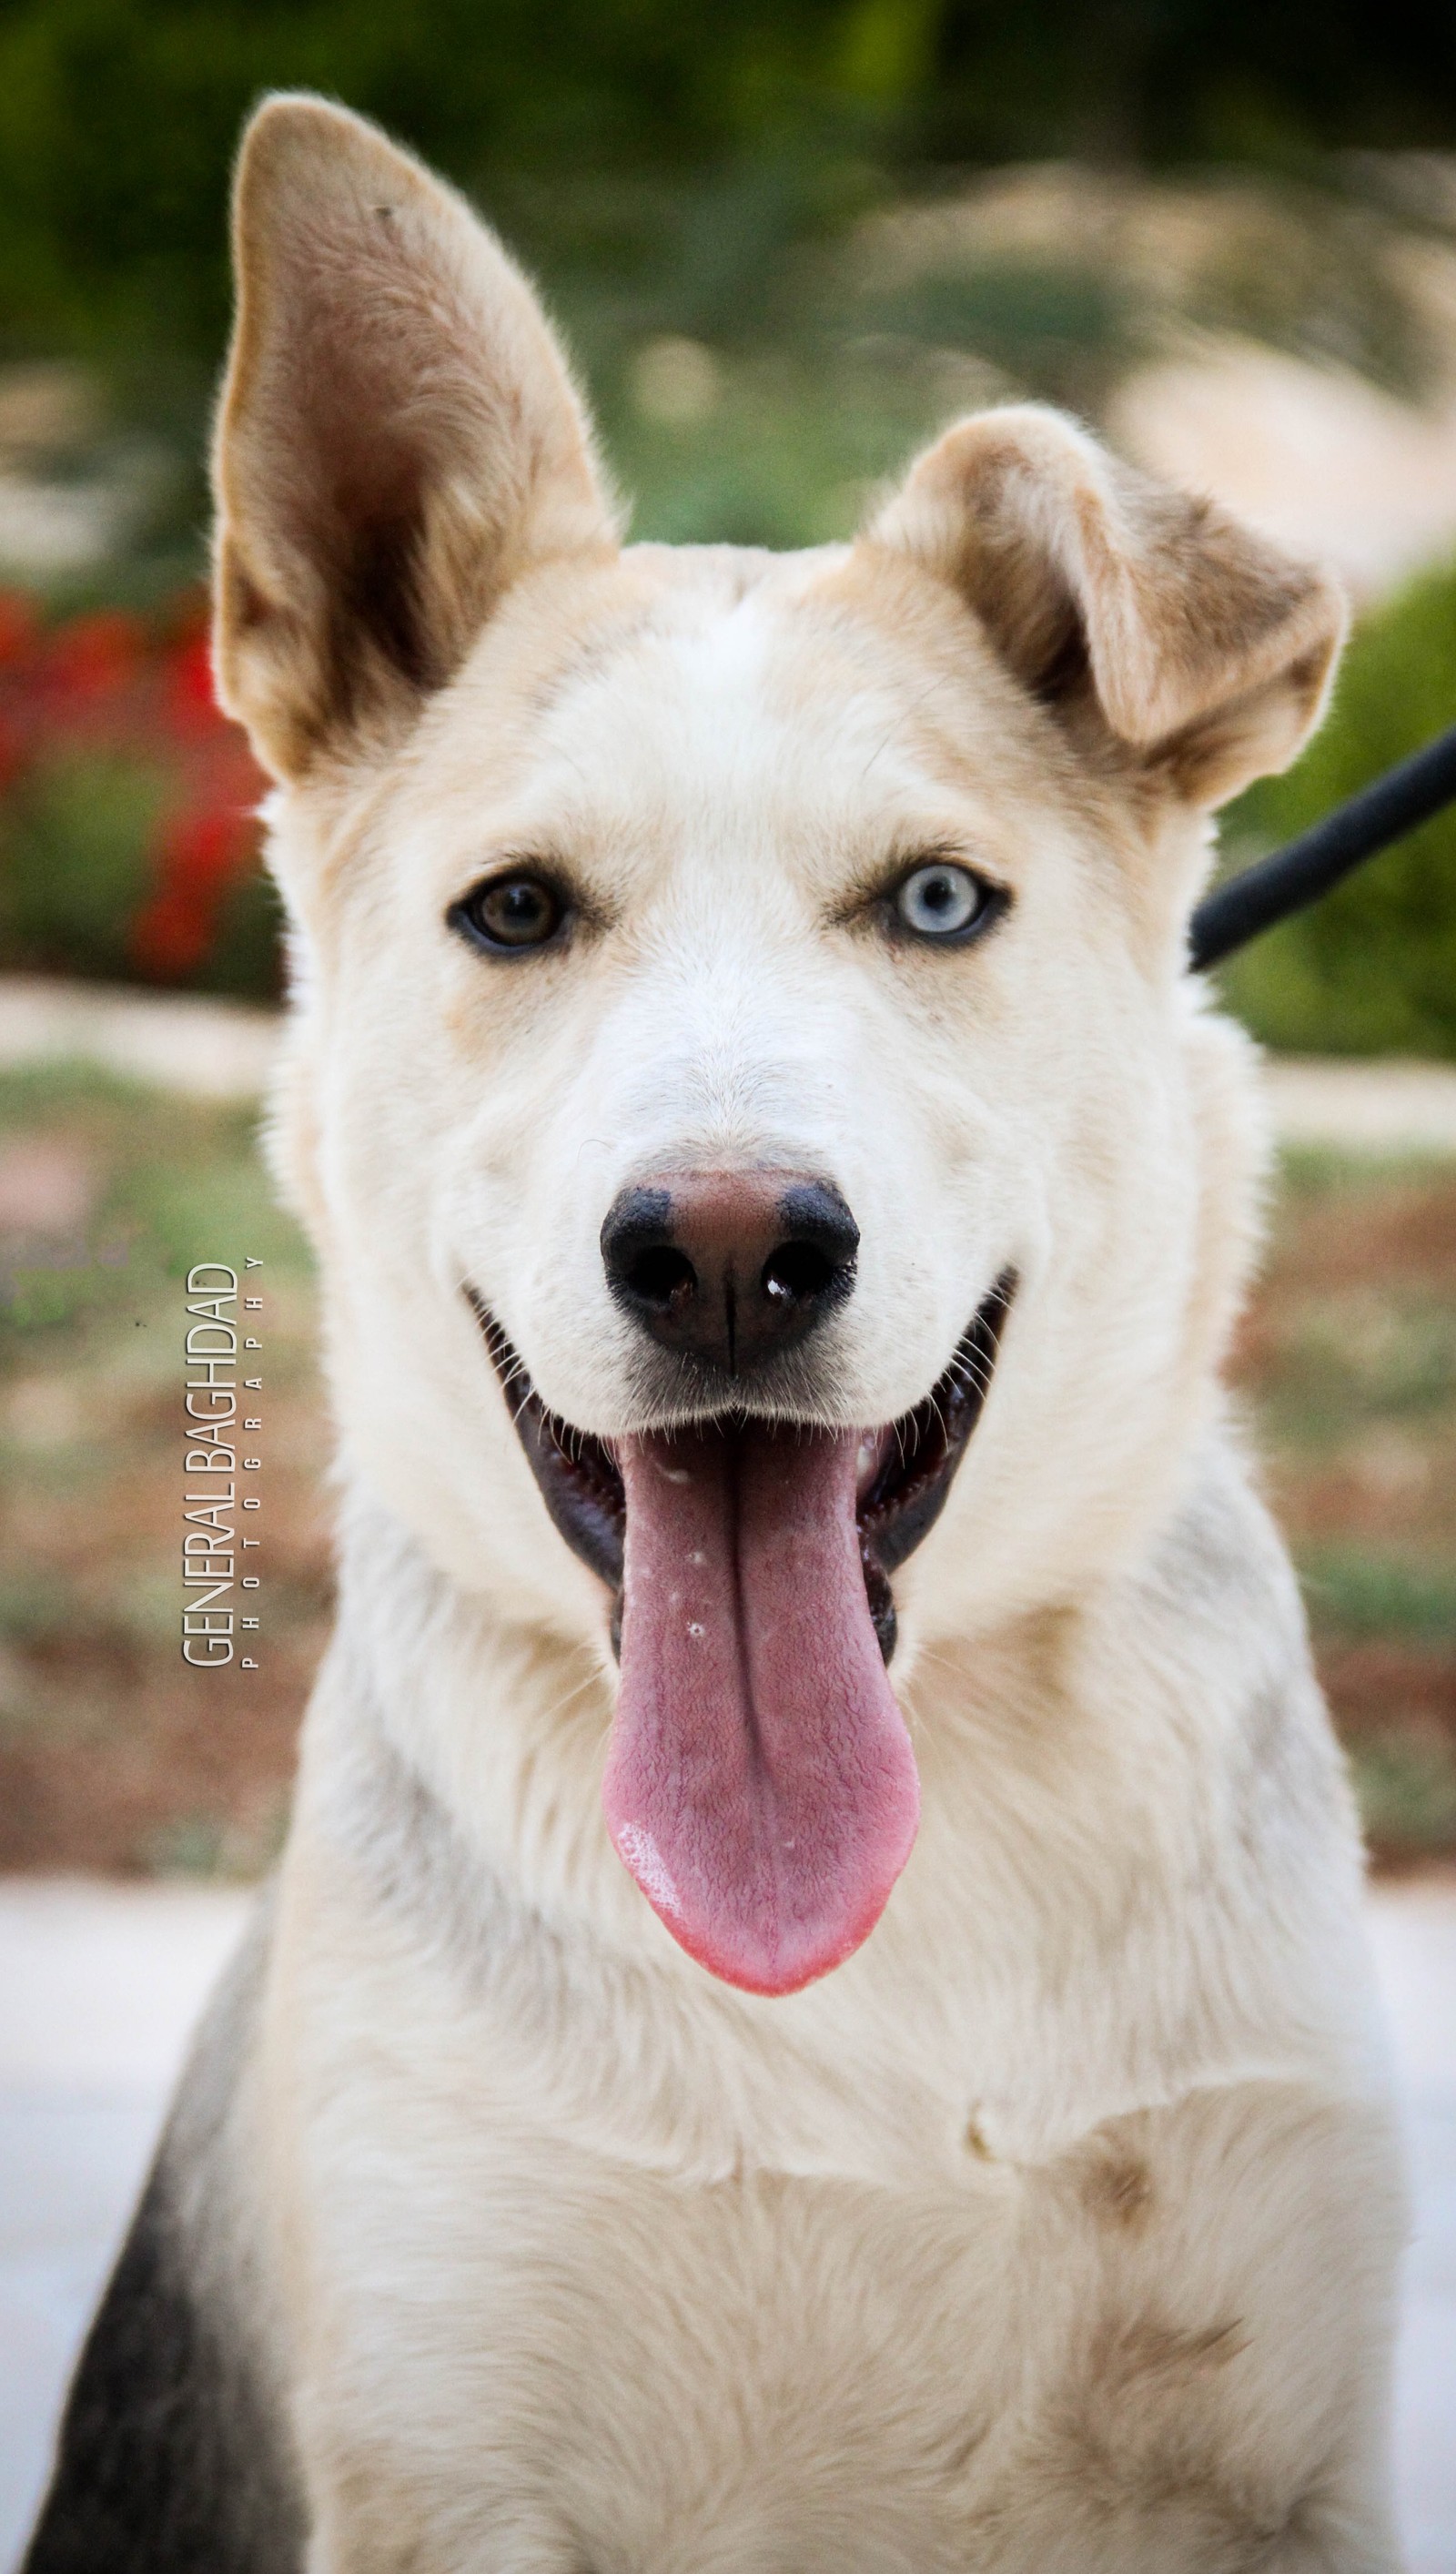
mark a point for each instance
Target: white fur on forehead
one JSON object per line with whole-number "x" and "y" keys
{"x": 399, "y": 437}
{"x": 1201, "y": 639}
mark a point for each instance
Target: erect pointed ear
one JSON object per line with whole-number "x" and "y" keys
{"x": 399, "y": 439}
{"x": 1128, "y": 608}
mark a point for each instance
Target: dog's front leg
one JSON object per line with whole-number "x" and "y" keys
{"x": 1349, "y": 2528}
{"x": 362, "y": 2532}
{"x": 1354, "y": 2553}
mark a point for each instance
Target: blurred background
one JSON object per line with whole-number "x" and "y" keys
{"x": 787, "y": 241}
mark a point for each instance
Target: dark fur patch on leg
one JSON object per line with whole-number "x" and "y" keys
{"x": 168, "y": 2460}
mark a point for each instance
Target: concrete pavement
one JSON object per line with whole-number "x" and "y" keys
{"x": 100, "y": 1985}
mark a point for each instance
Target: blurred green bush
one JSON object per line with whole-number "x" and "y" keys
{"x": 773, "y": 237}
{"x": 118, "y": 117}
{"x": 677, "y": 171}
{"x": 1372, "y": 968}
{"x": 77, "y": 842}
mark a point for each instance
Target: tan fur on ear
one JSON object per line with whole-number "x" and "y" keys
{"x": 1204, "y": 648}
{"x": 399, "y": 437}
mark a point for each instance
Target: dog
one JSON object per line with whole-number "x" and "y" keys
{"x": 814, "y": 2017}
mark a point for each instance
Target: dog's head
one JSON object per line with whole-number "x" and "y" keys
{"x": 772, "y": 1172}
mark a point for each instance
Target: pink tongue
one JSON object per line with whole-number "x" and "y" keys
{"x": 759, "y": 1784}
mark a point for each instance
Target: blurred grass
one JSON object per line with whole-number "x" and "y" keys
{"x": 1407, "y": 1792}
{"x": 1348, "y": 1357}
{"x": 112, "y": 1752}
{"x": 159, "y": 1204}
{"x": 1358, "y": 1596}
{"x": 112, "y": 1755}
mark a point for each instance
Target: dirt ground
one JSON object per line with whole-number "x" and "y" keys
{"x": 115, "y": 1755}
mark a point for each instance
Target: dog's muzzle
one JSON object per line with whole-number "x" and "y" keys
{"x": 905, "y": 1468}
{"x": 760, "y": 1781}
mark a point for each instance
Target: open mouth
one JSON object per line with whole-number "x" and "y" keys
{"x": 760, "y": 1785}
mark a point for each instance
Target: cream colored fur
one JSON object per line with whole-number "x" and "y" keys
{"x": 1054, "y": 2233}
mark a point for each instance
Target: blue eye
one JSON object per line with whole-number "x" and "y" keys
{"x": 942, "y": 900}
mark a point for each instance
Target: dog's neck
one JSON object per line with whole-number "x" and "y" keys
{"x": 451, "y": 1782}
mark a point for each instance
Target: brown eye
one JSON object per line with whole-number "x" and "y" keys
{"x": 509, "y": 914}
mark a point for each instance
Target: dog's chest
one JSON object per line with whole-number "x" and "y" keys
{"x": 526, "y": 2356}
{"x": 625, "y": 2372}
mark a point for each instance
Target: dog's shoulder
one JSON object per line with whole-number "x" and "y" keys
{"x": 1219, "y": 1636}
{"x": 1219, "y": 1578}
{"x": 173, "y": 2457}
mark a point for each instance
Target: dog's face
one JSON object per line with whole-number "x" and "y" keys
{"x": 779, "y": 1196}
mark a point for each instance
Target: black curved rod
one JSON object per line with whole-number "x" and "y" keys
{"x": 1299, "y": 873}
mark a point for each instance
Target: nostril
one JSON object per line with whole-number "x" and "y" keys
{"x": 795, "y": 1272}
{"x": 729, "y": 1267}
{"x": 662, "y": 1277}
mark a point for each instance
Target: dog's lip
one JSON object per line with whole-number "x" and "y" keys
{"x": 907, "y": 1468}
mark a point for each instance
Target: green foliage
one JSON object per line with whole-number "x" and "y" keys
{"x": 245, "y": 958}
{"x": 1372, "y": 968}
{"x": 1062, "y": 328}
{"x": 679, "y": 175}
{"x": 76, "y": 859}
{"x": 118, "y": 117}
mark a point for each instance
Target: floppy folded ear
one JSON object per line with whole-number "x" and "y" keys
{"x": 1199, "y": 647}
{"x": 398, "y": 440}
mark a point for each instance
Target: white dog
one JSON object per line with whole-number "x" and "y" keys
{"x": 815, "y": 2019}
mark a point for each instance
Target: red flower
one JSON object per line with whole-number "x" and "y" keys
{"x": 190, "y": 699}
{"x": 200, "y": 855}
{"x": 14, "y": 747}
{"x": 110, "y": 681}
{"x": 95, "y": 657}
{"x": 19, "y": 628}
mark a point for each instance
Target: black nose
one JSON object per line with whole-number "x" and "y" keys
{"x": 729, "y": 1267}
